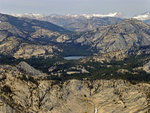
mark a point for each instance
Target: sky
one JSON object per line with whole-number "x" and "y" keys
{"x": 127, "y": 7}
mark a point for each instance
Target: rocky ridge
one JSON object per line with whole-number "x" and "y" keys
{"x": 115, "y": 41}
{"x": 26, "y": 38}
{"x": 124, "y": 35}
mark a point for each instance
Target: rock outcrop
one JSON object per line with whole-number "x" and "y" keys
{"x": 26, "y": 68}
{"x": 146, "y": 67}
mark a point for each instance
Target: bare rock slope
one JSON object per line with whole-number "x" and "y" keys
{"x": 128, "y": 33}
{"x": 25, "y": 93}
{"x": 26, "y": 38}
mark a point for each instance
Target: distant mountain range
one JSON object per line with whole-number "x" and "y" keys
{"x": 38, "y": 16}
{"x": 84, "y": 22}
{"x": 81, "y": 23}
{"x": 143, "y": 16}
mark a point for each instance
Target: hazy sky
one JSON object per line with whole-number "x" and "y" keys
{"x": 127, "y": 7}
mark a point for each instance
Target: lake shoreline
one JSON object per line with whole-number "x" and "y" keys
{"x": 74, "y": 57}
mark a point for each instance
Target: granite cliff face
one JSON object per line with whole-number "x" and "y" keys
{"x": 22, "y": 92}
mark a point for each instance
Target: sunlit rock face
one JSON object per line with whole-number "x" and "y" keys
{"x": 122, "y": 36}
{"x": 146, "y": 67}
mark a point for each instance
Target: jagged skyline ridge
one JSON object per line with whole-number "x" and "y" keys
{"x": 127, "y": 7}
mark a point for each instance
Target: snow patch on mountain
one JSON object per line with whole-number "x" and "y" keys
{"x": 144, "y": 16}
{"x": 29, "y": 15}
{"x": 115, "y": 14}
